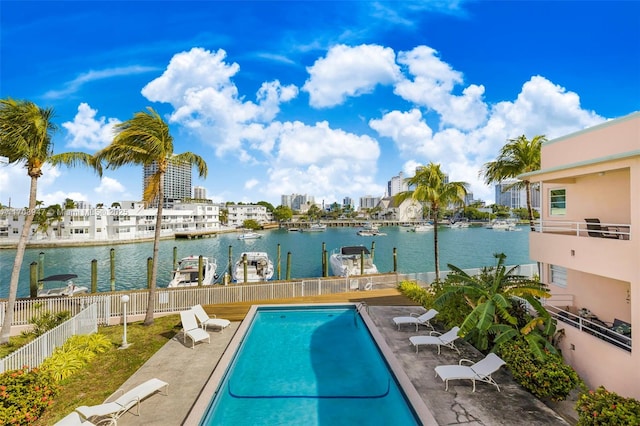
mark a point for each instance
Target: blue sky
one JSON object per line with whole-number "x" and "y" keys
{"x": 329, "y": 99}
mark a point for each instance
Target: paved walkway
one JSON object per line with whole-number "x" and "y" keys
{"x": 187, "y": 370}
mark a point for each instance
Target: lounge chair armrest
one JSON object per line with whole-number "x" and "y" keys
{"x": 435, "y": 333}
{"x": 414, "y": 314}
{"x": 465, "y": 360}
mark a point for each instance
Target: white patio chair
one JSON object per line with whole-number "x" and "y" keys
{"x": 109, "y": 412}
{"x": 205, "y": 320}
{"x": 434, "y": 338}
{"x": 417, "y": 320}
{"x": 191, "y": 330}
{"x": 481, "y": 370}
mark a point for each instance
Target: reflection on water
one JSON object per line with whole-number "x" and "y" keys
{"x": 465, "y": 248}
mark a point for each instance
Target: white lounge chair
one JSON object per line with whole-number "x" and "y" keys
{"x": 191, "y": 330}
{"x": 74, "y": 419}
{"x": 417, "y": 320}
{"x": 205, "y": 320}
{"x": 111, "y": 411}
{"x": 481, "y": 370}
{"x": 434, "y": 338}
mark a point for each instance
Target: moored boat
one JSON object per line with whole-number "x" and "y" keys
{"x": 249, "y": 235}
{"x": 63, "y": 286}
{"x": 423, "y": 227}
{"x": 352, "y": 260}
{"x": 315, "y": 227}
{"x": 188, "y": 271}
{"x": 258, "y": 267}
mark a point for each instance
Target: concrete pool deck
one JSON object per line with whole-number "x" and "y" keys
{"x": 187, "y": 371}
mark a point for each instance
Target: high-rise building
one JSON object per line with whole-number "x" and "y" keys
{"x": 199, "y": 193}
{"x": 515, "y": 198}
{"x": 297, "y": 201}
{"x": 396, "y": 185}
{"x": 369, "y": 202}
{"x": 177, "y": 182}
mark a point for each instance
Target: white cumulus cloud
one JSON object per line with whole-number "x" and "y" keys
{"x": 349, "y": 71}
{"x": 85, "y": 131}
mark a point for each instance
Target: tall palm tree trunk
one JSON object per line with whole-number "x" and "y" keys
{"x": 17, "y": 263}
{"x": 436, "y": 255}
{"x": 148, "y": 319}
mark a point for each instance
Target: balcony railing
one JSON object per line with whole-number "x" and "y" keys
{"x": 592, "y": 326}
{"x": 621, "y": 231}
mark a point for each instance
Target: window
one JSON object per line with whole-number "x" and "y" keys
{"x": 558, "y": 275}
{"x": 558, "y": 202}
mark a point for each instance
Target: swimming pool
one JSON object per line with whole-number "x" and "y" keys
{"x": 305, "y": 365}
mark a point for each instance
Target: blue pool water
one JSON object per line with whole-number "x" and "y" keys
{"x": 308, "y": 366}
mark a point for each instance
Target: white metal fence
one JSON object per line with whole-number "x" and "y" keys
{"x": 169, "y": 300}
{"x": 32, "y": 354}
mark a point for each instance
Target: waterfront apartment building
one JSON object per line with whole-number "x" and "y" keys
{"x": 177, "y": 182}
{"x": 238, "y": 213}
{"x": 130, "y": 221}
{"x": 587, "y": 245}
{"x": 516, "y": 198}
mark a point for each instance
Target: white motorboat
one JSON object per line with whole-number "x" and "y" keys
{"x": 348, "y": 261}
{"x": 249, "y": 235}
{"x": 370, "y": 233}
{"x": 63, "y": 286}
{"x": 503, "y": 225}
{"x": 186, "y": 274}
{"x": 258, "y": 267}
{"x": 315, "y": 227}
{"x": 458, "y": 225}
{"x": 423, "y": 227}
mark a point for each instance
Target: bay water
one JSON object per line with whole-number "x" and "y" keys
{"x": 465, "y": 248}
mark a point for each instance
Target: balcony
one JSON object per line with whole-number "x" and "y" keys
{"x": 617, "y": 333}
{"x": 620, "y": 231}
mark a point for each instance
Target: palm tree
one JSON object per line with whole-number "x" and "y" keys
{"x": 25, "y": 138}
{"x": 518, "y": 156}
{"x": 492, "y": 295}
{"x": 431, "y": 188}
{"x": 145, "y": 140}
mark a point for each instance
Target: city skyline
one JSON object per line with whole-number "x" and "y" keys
{"x": 326, "y": 99}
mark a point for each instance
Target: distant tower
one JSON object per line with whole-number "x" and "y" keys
{"x": 177, "y": 182}
{"x": 397, "y": 184}
{"x": 199, "y": 193}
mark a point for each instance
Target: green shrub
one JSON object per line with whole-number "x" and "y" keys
{"x": 47, "y": 321}
{"x": 418, "y": 294}
{"x": 602, "y": 407}
{"x": 76, "y": 352}
{"x": 549, "y": 378}
{"x": 454, "y": 311}
{"x": 24, "y": 395}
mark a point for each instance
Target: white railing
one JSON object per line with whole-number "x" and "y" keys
{"x": 32, "y": 354}
{"x": 168, "y": 300}
{"x": 609, "y": 230}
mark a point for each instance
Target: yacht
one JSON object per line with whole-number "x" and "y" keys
{"x": 186, "y": 274}
{"x": 249, "y": 235}
{"x": 423, "y": 227}
{"x": 63, "y": 286}
{"x": 347, "y": 261}
{"x": 315, "y": 227}
{"x": 259, "y": 267}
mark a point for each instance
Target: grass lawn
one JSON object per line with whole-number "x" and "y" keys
{"x": 109, "y": 370}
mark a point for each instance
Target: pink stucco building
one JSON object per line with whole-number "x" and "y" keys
{"x": 593, "y": 270}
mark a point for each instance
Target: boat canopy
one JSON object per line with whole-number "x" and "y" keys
{"x": 354, "y": 250}
{"x": 60, "y": 277}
